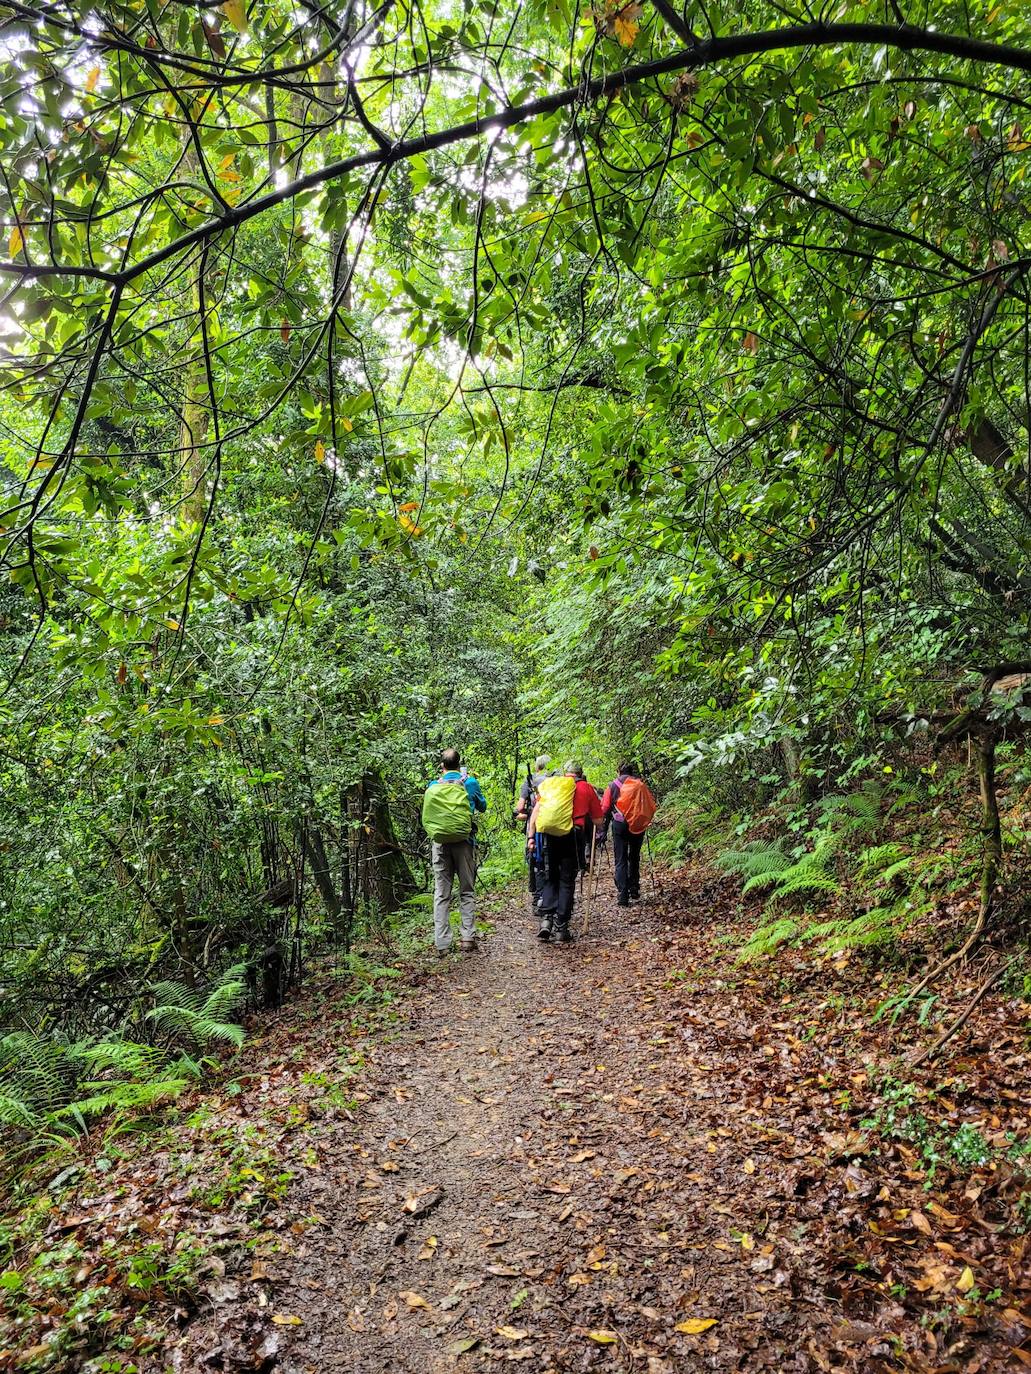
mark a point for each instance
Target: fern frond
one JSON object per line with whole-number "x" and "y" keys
{"x": 889, "y": 875}
{"x": 764, "y": 940}
{"x": 874, "y": 859}
{"x": 101, "y": 1097}
{"x": 228, "y": 996}
{"x": 14, "y": 1112}
{"x": 759, "y": 862}
{"x": 807, "y": 880}
{"x": 173, "y": 994}
{"x": 871, "y": 928}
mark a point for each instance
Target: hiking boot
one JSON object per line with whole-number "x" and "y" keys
{"x": 635, "y": 896}
{"x": 442, "y": 953}
{"x": 623, "y": 900}
{"x": 562, "y": 935}
{"x": 468, "y": 946}
{"x": 544, "y": 933}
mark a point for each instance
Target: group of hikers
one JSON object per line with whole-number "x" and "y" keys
{"x": 567, "y": 823}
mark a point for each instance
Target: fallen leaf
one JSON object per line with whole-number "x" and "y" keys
{"x": 463, "y": 1346}
{"x": 603, "y": 1337}
{"x": 966, "y": 1280}
{"x": 749, "y": 1166}
{"x": 694, "y": 1326}
{"x": 513, "y": 1333}
{"x": 921, "y": 1223}
{"x": 281, "y": 1320}
{"x": 414, "y": 1300}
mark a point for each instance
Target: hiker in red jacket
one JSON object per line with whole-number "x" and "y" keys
{"x": 626, "y": 846}
{"x": 560, "y": 855}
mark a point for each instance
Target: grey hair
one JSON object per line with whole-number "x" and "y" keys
{"x": 541, "y": 762}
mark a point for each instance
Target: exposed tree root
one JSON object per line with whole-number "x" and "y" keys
{"x": 935, "y": 973}
{"x": 962, "y": 1018}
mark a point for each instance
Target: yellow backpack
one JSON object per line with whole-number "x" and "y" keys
{"x": 555, "y": 805}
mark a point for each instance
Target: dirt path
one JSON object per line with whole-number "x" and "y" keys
{"x": 601, "y": 1156}
{"x": 558, "y": 1171}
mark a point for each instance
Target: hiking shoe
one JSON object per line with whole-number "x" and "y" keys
{"x": 623, "y": 900}
{"x": 443, "y": 953}
{"x": 563, "y": 935}
{"x": 544, "y": 933}
{"x": 468, "y": 946}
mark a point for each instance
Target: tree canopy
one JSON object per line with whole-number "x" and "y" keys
{"x": 376, "y": 378}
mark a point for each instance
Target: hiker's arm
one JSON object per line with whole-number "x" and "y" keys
{"x": 531, "y": 826}
{"x": 476, "y": 796}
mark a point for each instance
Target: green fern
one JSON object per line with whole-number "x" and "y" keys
{"x": 759, "y": 861}
{"x": 197, "y": 1018}
{"x": 811, "y": 872}
{"x": 903, "y": 795}
{"x": 52, "y": 1086}
{"x": 764, "y": 940}
{"x": 876, "y": 927}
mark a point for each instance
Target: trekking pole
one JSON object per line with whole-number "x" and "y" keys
{"x": 651, "y": 867}
{"x": 591, "y": 874}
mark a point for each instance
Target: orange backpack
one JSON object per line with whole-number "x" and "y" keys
{"x": 637, "y": 805}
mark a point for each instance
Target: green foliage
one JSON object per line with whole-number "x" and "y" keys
{"x": 195, "y": 1019}
{"x": 905, "y": 1113}
{"x": 760, "y": 862}
{"x": 50, "y": 1086}
{"x": 766, "y": 940}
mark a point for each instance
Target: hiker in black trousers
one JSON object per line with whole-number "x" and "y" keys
{"x": 626, "y": 846}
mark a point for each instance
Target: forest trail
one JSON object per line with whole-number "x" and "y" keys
{"x": 586, "y": 1157}
{"x": 579, "y": 1144}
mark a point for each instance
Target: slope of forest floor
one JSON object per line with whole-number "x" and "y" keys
{"x": 625, "y": 1154}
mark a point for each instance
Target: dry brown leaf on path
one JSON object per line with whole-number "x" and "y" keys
{"x": 512, "y": 1333}
{"x": 418, "y": 1204}
{"x": 414, "y": 1300}
{"x": 921, "y": 1223}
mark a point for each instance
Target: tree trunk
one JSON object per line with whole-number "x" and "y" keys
{"x": 389, "y": 880}
{"x": 315, "y": 853}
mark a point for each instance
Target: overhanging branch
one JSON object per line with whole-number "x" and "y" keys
{"x": 707, "y": 53}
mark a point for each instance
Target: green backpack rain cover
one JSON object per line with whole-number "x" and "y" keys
{"x": 446, "y": 814}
